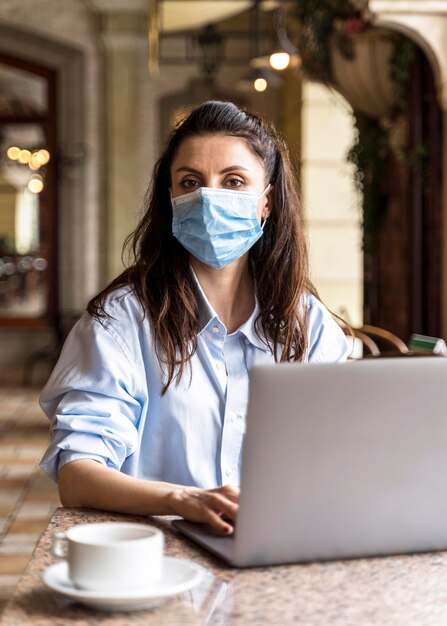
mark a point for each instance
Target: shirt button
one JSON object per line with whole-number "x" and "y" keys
{"x": 228, "y": 472}
{"x": 217, "y": 366}
{"x": 232, "y": 417}
{"x": 215, "y": 329}
{"x": 246, "y": 341}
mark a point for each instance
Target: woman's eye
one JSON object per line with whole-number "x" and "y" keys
{"x": 234, "y": 182}
{"x": 189, "y": 183}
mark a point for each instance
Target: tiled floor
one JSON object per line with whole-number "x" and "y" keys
{"x": 27, "y": 496}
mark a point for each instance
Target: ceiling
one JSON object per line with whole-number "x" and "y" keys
{"x": 189, "y": 14}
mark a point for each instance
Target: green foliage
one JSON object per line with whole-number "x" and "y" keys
{"x": 320, "y": 20}
{"x": 368, "y": 154}
{"x": 340, "y": 20}
{"x": 401, "y": 62}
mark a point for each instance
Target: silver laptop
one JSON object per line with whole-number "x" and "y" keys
{"x": 340, "y": 461}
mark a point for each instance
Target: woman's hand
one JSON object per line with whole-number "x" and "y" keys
{"x": 211, "y": 506}
{"x": 88, "y": 483}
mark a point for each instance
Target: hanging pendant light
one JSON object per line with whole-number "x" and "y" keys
{"x": 212, "y": 45}
{"x": 259, "y": 79}
{"x": 281, "y": 57}
{"x": 284, "y": 51}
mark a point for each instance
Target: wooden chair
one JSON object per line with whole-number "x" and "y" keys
{"x": 394, "y": 353}
{"x": 370, "y": 348}
{"x": 390, "y": 345}
{"x": 385, "y": 340}
{"x": 378, "y": 342}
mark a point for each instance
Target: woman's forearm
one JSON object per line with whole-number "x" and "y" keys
{"x": 87, "y": 483}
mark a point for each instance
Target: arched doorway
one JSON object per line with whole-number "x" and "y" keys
{"x": 399, "y": 153}
{"x": 405, "y": 279}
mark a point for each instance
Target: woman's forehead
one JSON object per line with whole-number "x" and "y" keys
{"x": 216, "y": 148}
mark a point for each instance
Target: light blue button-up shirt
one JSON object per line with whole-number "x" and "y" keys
{"x": 104, "y": 396}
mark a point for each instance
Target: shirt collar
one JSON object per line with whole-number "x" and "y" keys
{"x": 248, "y": 330}
{"x": 206, "y": 311}
{"x": 207, "y": 315}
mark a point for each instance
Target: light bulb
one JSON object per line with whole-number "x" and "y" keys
{"x": 34, "y": 162}
{"x": 13, "y": 153}
{"x": 280, "y": 60}
{"x": 24, "y": 156}
{"x": 35, "y": 185}
{"x": 43, "y": 156}
{"x": 260, "y": 84}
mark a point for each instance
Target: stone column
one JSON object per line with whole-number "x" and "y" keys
{"x": 425, "y": 22}
{"x": 123, "y": 26}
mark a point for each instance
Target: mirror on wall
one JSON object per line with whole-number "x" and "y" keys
{"x": 27, "y": 195}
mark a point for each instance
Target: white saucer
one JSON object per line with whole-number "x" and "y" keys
{"x": 179, "y": 575}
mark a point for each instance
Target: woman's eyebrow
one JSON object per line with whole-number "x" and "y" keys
{"x": 234, "y": 167}
{"x": 186, "y": 168}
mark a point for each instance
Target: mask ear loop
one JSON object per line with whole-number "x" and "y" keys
{"x": 266, "y": 190}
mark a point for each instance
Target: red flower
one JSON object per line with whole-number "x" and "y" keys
{"x": 355, "y": 26}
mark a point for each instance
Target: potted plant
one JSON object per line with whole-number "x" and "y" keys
{"x": 322, "y": 21}
{"x": 371, "y": 67}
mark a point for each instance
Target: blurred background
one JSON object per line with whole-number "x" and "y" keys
{"x": 89, "y": 88}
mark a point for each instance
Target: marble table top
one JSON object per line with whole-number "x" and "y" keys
{"x": 398, "y": 590}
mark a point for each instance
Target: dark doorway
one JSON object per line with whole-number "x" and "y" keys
{"x": 28, "y": 229}
{"x": 407, "y": 265}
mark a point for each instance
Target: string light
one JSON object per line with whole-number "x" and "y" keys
{"x": 24, "y": 156}
{"x": 35, "y": 185}
{"x": 13, "y": 153}
{"x": 43, "y": 156}
{"x": 35, "y": 160}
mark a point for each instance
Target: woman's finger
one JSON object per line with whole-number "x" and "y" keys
{"x": 221, "y": 505}
{"x": 230, "y": 492}
{"x": 206, "y": 506}
{"x": 217, "y": 522}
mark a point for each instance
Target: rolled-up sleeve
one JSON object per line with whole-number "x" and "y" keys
{"x": 327, "y": 343}
{"x": 91, "y": 400}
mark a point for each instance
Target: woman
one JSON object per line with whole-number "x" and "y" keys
{"x": 148, "y": 399}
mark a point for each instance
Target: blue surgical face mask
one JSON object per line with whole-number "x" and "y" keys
{"x": 217, "y": 226}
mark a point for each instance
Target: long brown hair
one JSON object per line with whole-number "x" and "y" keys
{"x": 159, "y": 273}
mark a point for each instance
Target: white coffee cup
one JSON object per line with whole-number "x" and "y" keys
{"x": 111, "y": 555}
